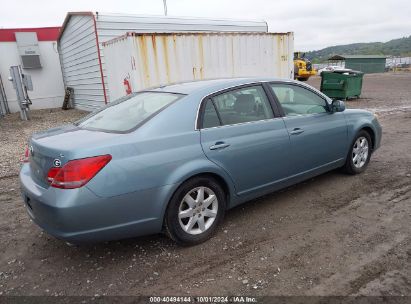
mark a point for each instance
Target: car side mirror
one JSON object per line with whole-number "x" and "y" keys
{"x": 337, "y": 106}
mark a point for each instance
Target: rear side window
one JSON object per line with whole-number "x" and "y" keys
{"x": 128, "y": 113}
{"x": 210, "y": 118}
{"x": 237, "y": 106}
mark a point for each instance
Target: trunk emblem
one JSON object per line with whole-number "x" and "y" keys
{"x": 57, "y": 163}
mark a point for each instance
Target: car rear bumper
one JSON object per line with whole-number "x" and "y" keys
{"x": 80, "y": 216}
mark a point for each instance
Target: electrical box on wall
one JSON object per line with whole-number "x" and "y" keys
{"x": 29, "y": 50}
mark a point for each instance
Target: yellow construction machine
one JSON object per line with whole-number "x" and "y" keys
{"x": 303, "y": 68}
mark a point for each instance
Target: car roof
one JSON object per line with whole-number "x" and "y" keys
{"x": 210, "y": 85}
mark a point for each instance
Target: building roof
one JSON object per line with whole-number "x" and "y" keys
{"x": 122, "y": 23}
{"x": 343, "y": 57}
{"x": 43, "y": 33}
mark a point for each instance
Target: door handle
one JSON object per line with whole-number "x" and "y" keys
{"x": 296, "y": 131}
{"x": 219, "y": 145}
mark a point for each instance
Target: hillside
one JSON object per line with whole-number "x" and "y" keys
{"x": 395, "y": 47}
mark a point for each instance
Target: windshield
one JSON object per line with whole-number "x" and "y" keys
{"x": 129, "y": 112}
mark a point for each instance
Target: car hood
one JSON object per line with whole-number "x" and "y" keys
{"x": 358, "y": 112}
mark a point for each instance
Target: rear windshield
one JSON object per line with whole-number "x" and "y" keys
{"x": 129, "y": 112}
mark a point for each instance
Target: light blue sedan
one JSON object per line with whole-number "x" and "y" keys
{"x": 175, "y": 158}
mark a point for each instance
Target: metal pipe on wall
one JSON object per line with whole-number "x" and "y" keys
{"x": 4, "y": 106}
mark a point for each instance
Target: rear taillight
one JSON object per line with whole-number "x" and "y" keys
{"x": 25, "y": 159}
{"x": 76, "y": 173}
{"x": 52, "y": 174}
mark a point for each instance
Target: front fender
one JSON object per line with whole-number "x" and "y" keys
{"x": 360, "y": 119}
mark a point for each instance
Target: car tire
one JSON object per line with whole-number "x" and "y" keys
{"x": 359, "y": 154}
{"x": 191, "y": 217}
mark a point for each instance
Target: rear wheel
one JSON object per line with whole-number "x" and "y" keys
{"x": 359, "y": 155}
{"x": 195, "y": 211}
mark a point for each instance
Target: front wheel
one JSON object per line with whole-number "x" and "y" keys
{"x": 359, "y": 155}
{"x": 195, "y": 211}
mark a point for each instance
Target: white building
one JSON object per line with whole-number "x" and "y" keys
{"x": 82, "y": 55}
{"x": 45, "y": 70}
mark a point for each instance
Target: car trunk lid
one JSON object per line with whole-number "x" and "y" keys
{"x": 55, "y": 147}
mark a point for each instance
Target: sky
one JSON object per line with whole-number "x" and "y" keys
{"x": 316, "y": 23}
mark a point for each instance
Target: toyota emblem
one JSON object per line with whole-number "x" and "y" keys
{"x": 57, "y": 163}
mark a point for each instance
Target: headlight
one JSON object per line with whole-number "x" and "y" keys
{"x": 375, "y": 115}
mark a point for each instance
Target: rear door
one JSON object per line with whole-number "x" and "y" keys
{"x": 241, "y": 134}
{"x": 318, "y": 137}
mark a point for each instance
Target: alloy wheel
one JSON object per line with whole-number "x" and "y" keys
{"x": 360, "y": 152}
{"x": 198, "y": 210}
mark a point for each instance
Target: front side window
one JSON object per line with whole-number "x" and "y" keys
{"x": 296, "y": 100}
{"x": 128, "y": 113}
{"x": 238, "y": 106}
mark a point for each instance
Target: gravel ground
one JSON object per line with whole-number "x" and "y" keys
{"x": 15, "y": 132}
{"x": 332, "y": 235}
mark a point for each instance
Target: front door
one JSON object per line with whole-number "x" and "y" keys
{"x": 318, "y": 137}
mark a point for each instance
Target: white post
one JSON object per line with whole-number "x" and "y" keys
{"x": 165, "y": 7}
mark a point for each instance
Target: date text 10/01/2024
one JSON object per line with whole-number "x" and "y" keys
{"x": 200, "y": 299}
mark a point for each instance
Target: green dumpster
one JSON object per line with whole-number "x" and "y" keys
{"x": 342, "y": 84}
